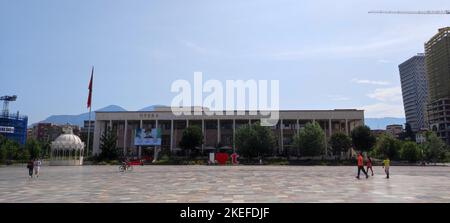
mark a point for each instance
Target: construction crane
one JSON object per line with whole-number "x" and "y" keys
{"x": 6, "y": 99}
{"x": 430, "y": 12}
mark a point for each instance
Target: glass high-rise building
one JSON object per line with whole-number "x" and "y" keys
{"x": 437, "y": 51}
{"x": 413, "y": 77}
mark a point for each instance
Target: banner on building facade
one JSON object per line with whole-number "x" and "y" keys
{"x": 6, "y": 129}
{"x": 148, "y": 137}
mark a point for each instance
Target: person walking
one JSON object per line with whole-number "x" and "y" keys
{"x": 37, "y": 167}
{"x": 30, "y": 166}
{"x": 234, "y": 158}
{"x": 369, "y": 165}
{"x": 386, "y": 165}
{"x": 361, "y": 165}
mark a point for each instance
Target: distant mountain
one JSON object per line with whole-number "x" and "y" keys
{"x": 111, "y": 108}
{"x": 381, "y": 123}
{"x": 373, "y": 123}
{"x": 151, "y": 107}
{"x": 78, "y": 119}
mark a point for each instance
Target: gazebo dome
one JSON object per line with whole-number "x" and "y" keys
{"x": 67, "y": 149}
{"x": 67, "y": 141}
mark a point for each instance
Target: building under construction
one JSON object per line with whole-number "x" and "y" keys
{"x": 13, "y": 126}
{"x": 437, "y": 51}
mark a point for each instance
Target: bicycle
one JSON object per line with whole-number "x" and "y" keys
{"x": 125, "y": 166}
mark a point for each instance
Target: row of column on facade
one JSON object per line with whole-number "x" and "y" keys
{"x": 225, "y": 130}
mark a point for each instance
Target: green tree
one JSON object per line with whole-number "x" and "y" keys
{"x": 387, "y": 145}
{"x": 2, "y": 140}
{"x": 362, "y": 138}
{"x": 310, "y": 141}
{"x": 2, "y": 150}
{"x": 3, "y": 154}
{"x": 11, "y": 149}
{"x": 46, "y": 148}
{"x": 23, "y": 155}
{"x": 192, "y": 137}
{"x": 34, "y": 148}
{"x": 254, "y": 140}
{"x": 434, "y": 147}
{"x": 108, "y": 146}
{"x": 410, "y": 152}
{"x": 340, "y": 142}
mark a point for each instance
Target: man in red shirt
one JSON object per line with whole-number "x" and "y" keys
{"x": 361, "y": 165}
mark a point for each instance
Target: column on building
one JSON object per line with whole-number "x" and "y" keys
{"x": 125, "y": 138}
{"x": 171, "y": 135}
{"x": 204, "y": 135}
{"x": 330, "y": 129}
{"x": 218, "y": 131}
{"x": 281, "y": 135}
{"x": 97, "y": 135}
{"x": 155, "y": 148}
{"x": 140, "y": 147}
{"x": 346, "y": 127}
{"x": 234, "y": 135}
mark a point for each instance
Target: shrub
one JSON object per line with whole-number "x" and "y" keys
{"x": 340, "y": 142}
{"x": 254, "y": 140}
{"x": 362, "y": 138}
{"x": 410, "y": 152}
{"x": 387, "y": 145}
{"x": 310, "y": 141}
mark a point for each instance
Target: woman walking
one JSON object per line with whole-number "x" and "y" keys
{"x": 37, "y": 167}
{"x": 30, "y": 167}
{"x": 369, "y": 165}
{"x": 386, "y": 165}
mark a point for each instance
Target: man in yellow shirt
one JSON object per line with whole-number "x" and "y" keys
{"x": 386, "y": 164}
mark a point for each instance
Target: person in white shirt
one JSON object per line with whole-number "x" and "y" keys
{"x": 37, "y": 167}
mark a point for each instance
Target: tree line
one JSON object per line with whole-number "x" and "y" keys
{"x": 11, "y": 151}
{"x": 253, "y": 141}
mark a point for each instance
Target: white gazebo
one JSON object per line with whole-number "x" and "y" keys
{"x": 67, "y": 149}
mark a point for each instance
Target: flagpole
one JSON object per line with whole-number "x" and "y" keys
{"x": 90, "y": 109}
{"x": 89, "y": 132}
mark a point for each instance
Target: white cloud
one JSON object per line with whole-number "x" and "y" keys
{"x": 193, "y": 46}
{"x": 356, "y": 50}
{"x": 380, "y": 110}
{"x": 393, "y": 94}
{"x": 338, "y": 98}
{"x": 363, "y": 81}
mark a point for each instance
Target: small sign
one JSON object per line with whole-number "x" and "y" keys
{"x": 6, "y": 129}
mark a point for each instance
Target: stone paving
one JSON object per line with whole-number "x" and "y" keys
{"x": 226, "y": 184}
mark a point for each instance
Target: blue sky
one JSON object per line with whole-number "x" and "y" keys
{"x": 326, "y": 54}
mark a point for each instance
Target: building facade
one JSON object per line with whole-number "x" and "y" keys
{"x": 47, "y": 132}
{"x": 413, "y": 77}
{"x": 218, "y": 130}
{"x": 394, "y": 130}
{"x": 87, "y": 127}
{"x": 437, "y": 51}
{"x": 14, "y": 127}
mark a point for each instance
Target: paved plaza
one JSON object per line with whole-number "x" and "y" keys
{"x": 224, "y": 184}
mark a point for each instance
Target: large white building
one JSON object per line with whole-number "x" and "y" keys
{"x": 218, "y": 130}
